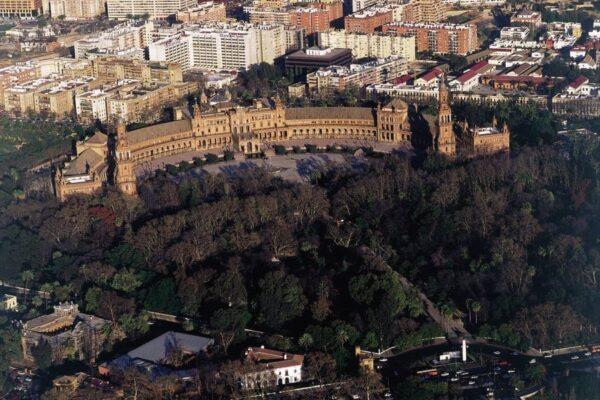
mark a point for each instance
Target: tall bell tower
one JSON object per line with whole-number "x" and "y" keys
{"x": 125, "y": 174}
{"x": 445, "y": 142}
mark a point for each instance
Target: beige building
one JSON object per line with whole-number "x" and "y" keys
{"x": 116, "y": 68}
{"x": 75, "y": 9}
{"x": 376, "y": 45}
{"x": 425, "y": 11}
{"x": 374, "y": 72}
{"x": 145, "y": 102}
{"x": 204, "y": 12}
{"x": 486, "y": 140}
{"x": 20, "y": 8}
{"x": 69, "y": 333}
{"x": 155, "y": 9}
{"x": 86, "y": 171}
{"x": 21, "y": 98}
{"x": 129, "y": 36}
{"x": 8, "y": 302}
{"x": 247, "y": 130}
{"x": 60, "y": 99}
{"x": 130, "y": 100}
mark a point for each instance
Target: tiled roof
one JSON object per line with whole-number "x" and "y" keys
{"x": 157, "y": 350}
{"x": 432, "y": 74}
{"x": 160, "y": 130}
{"x": 580, "y": 80}
{"x": 472, "y": 72}
{"x": 329, "y": 113}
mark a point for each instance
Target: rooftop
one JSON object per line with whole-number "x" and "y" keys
{"x": 158, "y": 349}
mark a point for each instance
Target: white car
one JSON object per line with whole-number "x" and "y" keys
{"x": 588, "y": 353}
{"x": 575, "y": 358}
{"x": 532, "y": 361}
{"x": 455, "y": 379}
{"x": 548, "y": 356}
{"x": 444, "y": 374}
{"x": 471, "y": 382}
{"x": 497, "y": 353}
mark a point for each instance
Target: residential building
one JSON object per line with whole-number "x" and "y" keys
{"x": 409, "y": 93}
{"x": 20, "y": 8}
{"x": 203, "y": 12}
{"x": 302, "y": 62}
{"x": 155, "y": 9}
{"x": 21, "y": 98}
{"x": 122, "y": 38}
{"x": 75, "y": 9}
{"x": 8, "y": 302}
{"x": 368, "y": 20}
{"x": 130, "y": 101}
{"x": 514, "y": 33}
{"x": 16, "y": 74}
{"x": 376, "y": 45}
{"x": 317, "y": 16}
{"x": 338, "y": 77}
{"x": 439, "y": 38}
{"x": 60, "y": 99}
{"x": 357, "y": 5}
{"x": 430, "y": 11}
{"x": 271, "y": 368}
{"x": 68, "y": 332}
{"x": 225, "y": 46}
{"x": 263, "y": 15}
{"x": 145, "y": 102}
{"x": 527, "y": 17}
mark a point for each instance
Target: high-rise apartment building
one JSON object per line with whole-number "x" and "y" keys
{"x": 318, "y": 16}
{"x": 20, "y": 8}
{"x": 376, "y": 45}
{"x": 74, "y": 9}
{"x": 356, "y": 5}
{"x": 369, "y": 20}
{"x": 155, "y": 9}
{"x": 127, "y": 36}
{"x": 439, "y": 38}
{"x": 205, "y": 12}
{"x": 226, "y": 46}
{"x": 425, "y": 11}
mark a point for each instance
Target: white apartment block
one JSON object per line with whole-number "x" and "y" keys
{"x": 360, "y": 4}
{"x": 223, "y": 46}
{"x": 124, "y": 37}
{"x": 377, "y": 45}
{"x": 75, "y": 9}
{"x": 155, "y": 9}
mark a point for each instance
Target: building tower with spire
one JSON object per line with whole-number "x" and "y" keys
{"x": 445, "y": 141}
{"x": 124, "y": 172}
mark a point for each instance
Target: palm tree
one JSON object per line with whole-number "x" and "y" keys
{"x": 306, "y": 341}
{"x": 476, "y": 306}
{"x": 341, "y": 336}
{"x": 469, "y": 305}
{"x": 447, "y": 313}
{"x": 26, "y": 277}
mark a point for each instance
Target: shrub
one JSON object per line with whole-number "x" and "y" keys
{"x": 311, "y": 148}
{"x": 171, "y": 169}
{"x": 228, "y": 155}
{"x": 211, "y": 158}
{"x": 279, "y": 150}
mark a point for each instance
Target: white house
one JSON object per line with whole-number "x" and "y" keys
{"x": 271, "y": 368}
